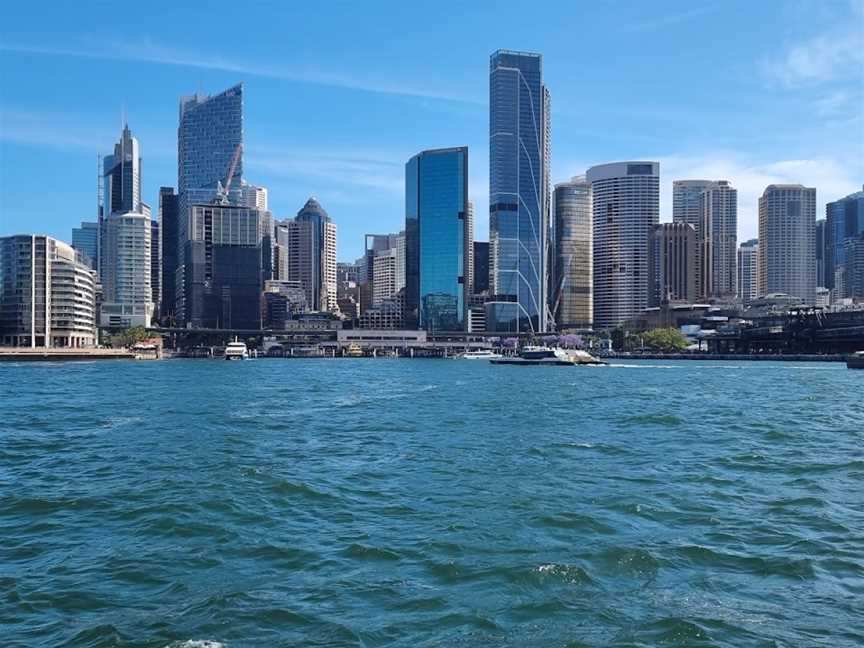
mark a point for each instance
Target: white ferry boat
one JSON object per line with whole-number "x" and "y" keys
{"x": 482, "y": 354}
{"x": 236, "y": 350}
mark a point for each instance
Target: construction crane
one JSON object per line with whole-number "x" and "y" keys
{"x": 222, "y": 192}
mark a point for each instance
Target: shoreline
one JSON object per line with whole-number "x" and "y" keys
{"x": 790, "y": 357}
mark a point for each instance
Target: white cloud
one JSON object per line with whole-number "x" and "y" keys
{"x": 836, "y": 54}
{"x": 147, "y": 50}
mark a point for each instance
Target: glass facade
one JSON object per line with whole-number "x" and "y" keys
{"x": 85, "y": 239}
{"x": 844, "y": 221}
{"x": 573, "y": 263}
{"x": 436, "y": 230}
{"x": 518, "y": 191}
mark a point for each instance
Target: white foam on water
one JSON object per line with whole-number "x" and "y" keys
{"x": 196, "y": 643}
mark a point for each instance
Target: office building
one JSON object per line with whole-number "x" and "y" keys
{"x": 168, "y": 223}
{"x": 672, "y": 264}
{"x": 126, "y": 270}
{"x": 844, "y": 222}
{"x": 228, "y": 259}
{"x": 519, "y": 200}
{"x": 307, "y": 246}
{"x": 687, "y": 202}
{"x": 748, "y": 271}
{"x": 718, "y": 242}
{"x": 626, "y": 206}
{"x": 156, "y": 267}
{"x": 572, "y": 282}
{"x": 787, "y": 233}
{"x": 283, "y": 299}
{"x": 85, "y": 239}
{"x": 821, "y": 252}
{"x": 481, "y": 267}
{"x": 436, "y": 208}
{"x": 47, "y": 294}
{"x": 121, "y": 182}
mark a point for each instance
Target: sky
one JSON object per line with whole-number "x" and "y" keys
{"x": 337, "y": 99}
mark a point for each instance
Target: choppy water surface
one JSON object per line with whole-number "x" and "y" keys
{"x": 431, "y": 503}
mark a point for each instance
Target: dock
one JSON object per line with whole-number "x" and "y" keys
{"x": 43, "y": 354}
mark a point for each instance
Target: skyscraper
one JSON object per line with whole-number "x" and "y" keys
{"x": 687, "y": 201}
{"x": 122, "y": 176}
{"x": 821, "y": 240}
{"x": 168, "y": 223}
{"x": 126, "y": 270}
{"x": 481, "y": 266}
{"x": 787, "y": 233}
{"x": 572, "y": 281}
{"x": 436, "y": 231}
{"x": 312, "y": 255}
{"x": 718, "y": 241}
{"x": 519, "y": 156}
{"x": 156, "y": 266}
{"x": 672, "y": 263}
{"x": 85, "y": 239}
{"x": 748, "y": 270}
{"x": 844, "y": 222}
{"x": 626, "y": 205}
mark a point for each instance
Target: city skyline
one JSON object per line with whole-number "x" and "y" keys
{"x": 344, "y": 135}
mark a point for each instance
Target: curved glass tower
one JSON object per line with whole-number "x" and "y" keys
{"x": 436, "y": 239}
{"x": 518, "y": 192}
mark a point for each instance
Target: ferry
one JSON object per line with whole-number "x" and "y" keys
{"x": 236, "y": 350}
{"x": 855, "y": 361}
{"x": 354, "y": 351}
{"x": 482, "y": 354}
{"x": 538, "y": 355}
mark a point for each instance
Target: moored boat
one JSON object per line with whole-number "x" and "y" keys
{"x": 855, "y": 361}
{"x": 236, "y": 350}
{"x": 480, "y": 354}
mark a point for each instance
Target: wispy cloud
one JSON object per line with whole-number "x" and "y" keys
{"x": 148, "y": 50}
{"x": 835, "y": 54}
{"x": 668, "y": 20}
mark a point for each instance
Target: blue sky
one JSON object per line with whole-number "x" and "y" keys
{"x": 337, "y": 99}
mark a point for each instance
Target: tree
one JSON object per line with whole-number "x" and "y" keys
{"x": 665, "y": 339}
{"x": 130, "y": 336}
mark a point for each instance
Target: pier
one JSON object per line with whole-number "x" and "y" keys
{"x": 49, "y": 354}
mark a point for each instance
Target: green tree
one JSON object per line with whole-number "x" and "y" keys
{"x": 665, "y": 339}
{"x": 130, "y": 336}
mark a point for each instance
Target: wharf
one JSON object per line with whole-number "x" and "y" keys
{"x": 766, "y": 357}
{"x": 43, "y": 354}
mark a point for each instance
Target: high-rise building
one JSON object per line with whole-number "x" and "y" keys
{"x": 85, "y": 239}
{"x": 687, "y": 202}
{"x": 126, "y": 270}
{"x": 47, "y": 294}
{"x": 168, "y": 223}
{"x": 469, "y": 248}
{"x": 844, "y": 222}
{"x": 718, "y": 241}
{"x": 156, "y": 266}
{"x": 481, "y": 267}
{"x": 787, "y": 233}
{"x": 312, "y": 255}
{"x": 572, "y": 281}
{"x": 384, "y": 276}
{"x": 820, "y": 252}
{"x": 436, "y": 230}
{"x": 748, "y": 271}
{"x": 519, "y": 200}
{"x": 672, "y": 264}
{"x": 122, "y": 176}
{"x": 228, "y": 258}
{"x": 626, "y": 206}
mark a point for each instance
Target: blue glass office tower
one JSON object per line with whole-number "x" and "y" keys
{"x": 436, "y": 239}
{"x": 844, "y": 223}
{"x": 86, "y": 239}
{"x": 519, "y": 142}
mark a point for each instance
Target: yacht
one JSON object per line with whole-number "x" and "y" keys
{"x": 481, "y": 354}
{"x": 855, "y": 361}
{"x": 236, "y": 350}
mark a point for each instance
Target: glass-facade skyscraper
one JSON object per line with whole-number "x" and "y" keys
{"x": 436, "y": 239}
{"x": 572, "y": 291}
{"x": 519, "y": 198}
{"x": 844, "y": 224}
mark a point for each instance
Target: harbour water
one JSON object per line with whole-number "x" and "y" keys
{"x": 431, "y": 503}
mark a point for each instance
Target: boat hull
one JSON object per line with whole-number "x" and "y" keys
{"x": 855, "y": 362}
{"x": 550, "y": 362}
